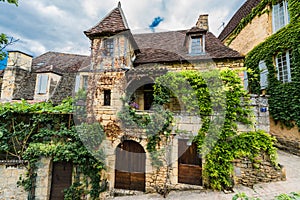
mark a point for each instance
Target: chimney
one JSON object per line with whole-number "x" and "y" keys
{"x": 20, "y": 60}
{"x": 203, "y": 22}
{"x": 18, "y": 64}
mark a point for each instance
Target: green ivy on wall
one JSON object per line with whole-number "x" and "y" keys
{"x": 284, "y": 100}
{"x": 205, "y": 94}
{"x": 31, "y": 131}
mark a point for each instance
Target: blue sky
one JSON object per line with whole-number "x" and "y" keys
{"x": 57, "y": 25}
{"x": 3, "y": 63}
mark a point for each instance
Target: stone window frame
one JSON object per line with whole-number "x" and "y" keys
{"x": 280, "y": 15}
{"x": 283, "y": 67}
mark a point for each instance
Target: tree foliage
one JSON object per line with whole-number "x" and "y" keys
{"x": 30, "y": 131}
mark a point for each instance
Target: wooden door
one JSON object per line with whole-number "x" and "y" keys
{"x": 189, "y": 164}
{"x": 61, "y": 179}
{"x": 130, "y": 166}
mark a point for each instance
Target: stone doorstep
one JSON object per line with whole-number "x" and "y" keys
{"x": 176, "y": 187}
{"x": 123, "y": 192}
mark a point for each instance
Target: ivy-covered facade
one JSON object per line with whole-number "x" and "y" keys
{"x": 152, "y": 112}
{"x": 272, "y": 63}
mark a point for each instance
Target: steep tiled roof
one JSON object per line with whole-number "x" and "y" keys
{"x": 114, "y": 22}
{"x": 169, "y": 47}
{"x": 59, "y": 62}
{"x": 242, "y": 12}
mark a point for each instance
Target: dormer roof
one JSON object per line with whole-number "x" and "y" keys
{"x": 196, "y": 30}
{"x": 111, "y": 24}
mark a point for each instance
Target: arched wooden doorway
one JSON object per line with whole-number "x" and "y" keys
{"x": 130, "y": 166}
{"x": 189, "y": 163}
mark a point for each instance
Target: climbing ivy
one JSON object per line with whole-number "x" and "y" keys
{"x": 206, "y": 94}
{"x": 31, "y": 131}
{"x": 284, "y": 100}
{"x": 260, "y": 9}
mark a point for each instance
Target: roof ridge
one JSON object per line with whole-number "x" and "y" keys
{"x": 117, "y": 23}
{"x": 242, "y": 12}
{"x": 64, "y": 53}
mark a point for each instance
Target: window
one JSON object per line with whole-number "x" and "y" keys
{"x": 196, "y": 45}
{"x": 85, "y": 82}
{"x": 107, "y": 97}
{"x": 42, "y": 84}
{"x": 108, "y": 47}
{"x": 263, "y": 74}
{"x": 77, "y": 83}
{"x": 283, "y": 67}
{"x": 246, "y": 82}
{"x": 280, "y": 15}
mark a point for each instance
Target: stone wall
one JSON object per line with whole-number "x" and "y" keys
{"x": 256, "y": 32}
{"x": 24, "y": 84}
{"x": 248, "y": 173}
{"x": 43, "y": 179}
{"x": 9, "y": 176}
{"x": 287, "y": 139}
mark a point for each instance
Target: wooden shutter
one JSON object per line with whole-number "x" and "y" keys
{"x": 77, "y": 83}
{"x": 263, "y": 74}
{"x": 42, "y": 84}
{"x": 246, "y": 82}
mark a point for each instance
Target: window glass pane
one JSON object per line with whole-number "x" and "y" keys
{"x": 85, "y": 82}
{"x": 280, "y": 15}
{"x": 108, "y": 47}
{"x": 283, "y": 67}
{"x": 196, "y": 45}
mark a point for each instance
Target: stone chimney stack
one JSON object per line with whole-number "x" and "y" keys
{"x": 203, "y": 22}
{"x": 20, "y": 60}
{"x": 18, "y": 65}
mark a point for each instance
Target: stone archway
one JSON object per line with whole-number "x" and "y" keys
{"x": 130, "y": 166}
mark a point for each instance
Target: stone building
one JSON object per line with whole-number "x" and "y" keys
{"x": 123, "y": 63}
{"x": 259, "y": 29}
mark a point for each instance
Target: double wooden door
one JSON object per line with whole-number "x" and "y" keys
{"x": 130, "y": 166}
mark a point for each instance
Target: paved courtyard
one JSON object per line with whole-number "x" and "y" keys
{"x": 264, "y": 191}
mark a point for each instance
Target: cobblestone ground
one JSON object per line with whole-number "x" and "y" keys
{"x": 264, "y": 191}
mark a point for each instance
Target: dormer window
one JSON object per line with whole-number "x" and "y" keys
{"x": 108, "y": 47}
{"x": 196, "y": 44}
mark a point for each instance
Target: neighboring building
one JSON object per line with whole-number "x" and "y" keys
{"x": 50, "y": 76}
{"x": 267, "y": 33}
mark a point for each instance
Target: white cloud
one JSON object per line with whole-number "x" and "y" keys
{"x": 57, "y": 25}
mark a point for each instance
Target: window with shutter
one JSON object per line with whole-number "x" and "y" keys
{"x": 77, "y": 83}
{"x": 42, "y": 84}
{"x": 246, "y": 83}
{"x": 263, "y": 74}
